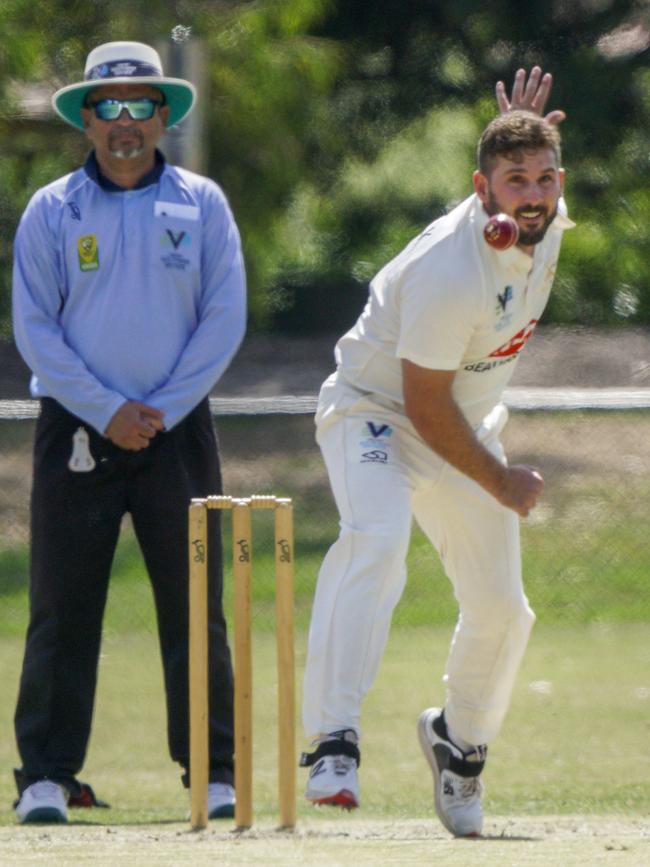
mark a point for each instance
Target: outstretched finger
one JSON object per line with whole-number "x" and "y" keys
{"x": 542, "y": 94}
{"x": 518, "y": 88}
{"x": 532, "y": 85}
{"x": 502, "y": 97}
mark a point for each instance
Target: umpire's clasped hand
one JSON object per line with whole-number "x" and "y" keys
{"x": 134, "y": 425}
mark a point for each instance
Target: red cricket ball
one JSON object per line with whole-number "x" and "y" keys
{"x": 501, "y": 231}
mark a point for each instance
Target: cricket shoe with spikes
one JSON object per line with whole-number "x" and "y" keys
{"x": 333, "y": 776}
{"x": 457, "y": 788}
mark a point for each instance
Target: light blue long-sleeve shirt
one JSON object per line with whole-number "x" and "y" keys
{"x": 128, "y": 294}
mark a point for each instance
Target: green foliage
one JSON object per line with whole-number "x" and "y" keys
{"x": 268, "y": 78}
{"x": 341, "y": 236}
{"x": 338, "y": 133}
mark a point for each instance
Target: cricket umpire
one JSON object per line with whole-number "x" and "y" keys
{"x": 409, "y": 425}
{"x": 128, "y": 305}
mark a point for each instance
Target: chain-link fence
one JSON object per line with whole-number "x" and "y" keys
{"x": 585, "y": 548}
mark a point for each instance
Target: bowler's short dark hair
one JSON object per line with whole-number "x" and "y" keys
{"x": 514, "y": 133}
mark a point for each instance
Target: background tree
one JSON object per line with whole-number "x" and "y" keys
{"x": 416, "y": 91}
{"x": 338, "y": 130}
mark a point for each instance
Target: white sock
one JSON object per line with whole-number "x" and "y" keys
{"x": 461, "y": 742}
{"x": 341, "y": 734}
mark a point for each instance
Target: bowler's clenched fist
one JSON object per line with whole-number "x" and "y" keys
{"x": 522, "y": 487}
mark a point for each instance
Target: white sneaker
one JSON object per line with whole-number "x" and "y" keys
{"x": 221, "y": 801}
{"x": 333, "y": 777}
{"x": 43, "y": 801}
{"x": 457, "y": 787}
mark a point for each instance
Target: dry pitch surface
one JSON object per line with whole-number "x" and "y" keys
{"x": 553, "y": 841}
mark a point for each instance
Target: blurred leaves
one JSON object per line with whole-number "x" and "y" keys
{"x": 339, "y": 130}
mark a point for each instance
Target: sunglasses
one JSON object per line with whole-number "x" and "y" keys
{"x": 137, "y": 109}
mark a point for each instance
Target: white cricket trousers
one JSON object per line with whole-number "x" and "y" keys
{"x": 382, "y": 474}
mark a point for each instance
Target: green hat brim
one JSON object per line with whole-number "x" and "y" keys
{"x": 179, "y": 96}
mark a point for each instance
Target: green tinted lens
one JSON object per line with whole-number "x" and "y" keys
{"x": 138, "y": 109}
{"x": 107, "y": 109}
{"x": 141, "y": 109}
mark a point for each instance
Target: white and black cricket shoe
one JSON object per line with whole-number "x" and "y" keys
{"x": 43, "y": 802}
{"x": 221, "y": 801}
{"x": 333, "y": 776}
{"x": 457, "y": 787}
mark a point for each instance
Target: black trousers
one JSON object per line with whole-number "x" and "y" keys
{"x": 75, "y": 524}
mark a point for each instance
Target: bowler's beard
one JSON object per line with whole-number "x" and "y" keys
{"x": 129, "y": 151}
{"x": 527, "y": 238}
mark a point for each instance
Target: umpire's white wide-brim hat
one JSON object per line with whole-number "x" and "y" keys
{"x": 124, "y": 63}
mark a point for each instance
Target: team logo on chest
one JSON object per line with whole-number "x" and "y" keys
{"x": 514, "y": 346}
{"x": 88, "y": 252}
{"x": 503, "y": 298}
{"x": 506, "y": 353}
{"x": 176, "y": 240}
{"x": 501, "y": 308}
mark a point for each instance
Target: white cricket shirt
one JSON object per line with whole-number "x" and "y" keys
{"x": 448, "y": 301}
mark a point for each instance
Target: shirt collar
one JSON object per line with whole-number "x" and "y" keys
{"x": 93, "y": 171}
{"x": 561, "y": 221}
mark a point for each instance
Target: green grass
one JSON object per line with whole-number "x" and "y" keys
{"x": 575, "y": 740}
